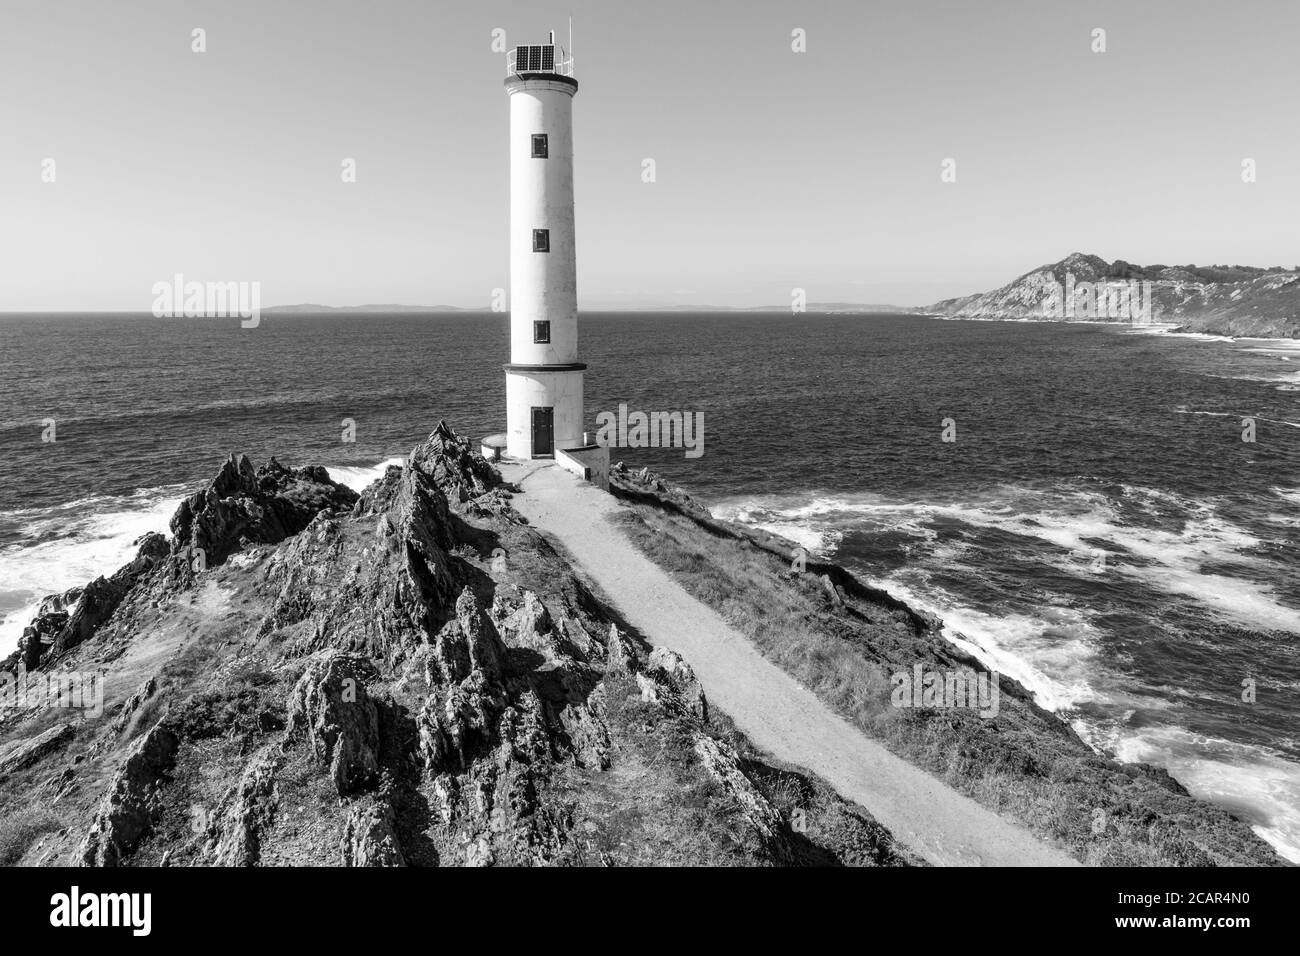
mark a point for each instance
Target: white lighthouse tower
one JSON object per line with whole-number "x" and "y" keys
{"x": 544, "y": 378}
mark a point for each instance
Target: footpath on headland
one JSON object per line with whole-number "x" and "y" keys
{"x": 777, "y": 713}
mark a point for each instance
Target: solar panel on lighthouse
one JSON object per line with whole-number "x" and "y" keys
{"x": 535, "y": 59}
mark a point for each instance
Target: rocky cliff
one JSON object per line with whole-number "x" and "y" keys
{"x": 410, "y": 676}
{"x": 1226, "y": 300}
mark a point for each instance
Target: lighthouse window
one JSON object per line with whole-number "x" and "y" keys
{"x": 542, "y": 332}
{"x": 539, "y": 146}
{"x": 541, "y": 240}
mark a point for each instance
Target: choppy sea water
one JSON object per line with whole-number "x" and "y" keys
{"x": 1098, "y": 529}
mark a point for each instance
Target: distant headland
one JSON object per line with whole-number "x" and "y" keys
{"x": 1223, "y": 300}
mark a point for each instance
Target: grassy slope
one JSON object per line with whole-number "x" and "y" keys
{"x": 1025, "y": 763}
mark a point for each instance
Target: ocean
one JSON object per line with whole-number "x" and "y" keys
{"x": 1098, "y": 529}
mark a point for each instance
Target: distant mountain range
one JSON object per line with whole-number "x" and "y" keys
{"x": 1226, "y": 300}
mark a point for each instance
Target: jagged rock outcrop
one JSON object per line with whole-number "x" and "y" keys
{"x": 127, "y": 811}
{"x": 454, "y": 466}
{"x": 244, "y": 506}
{"x": 468, "y": 644}
{"x": 27, "y": 752}
{"x": 405, "y": 590}
{"x": 235, "y": 834}
{"x": 457, "y": 719}
{"x": 620, "y": 653}
{"x": 331, "y": 707}
{"x": 131, "y": 706}
{"x": 369, "y": 838}
{"x": 723, "y": 764}
{"x": 667, "y": 668}
{"x": 98, "y": 602}
{"x": 832, "y": 591}
{"x": 69, "y": 619}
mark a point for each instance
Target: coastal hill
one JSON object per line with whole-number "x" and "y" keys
{"x": 1225, "y": 300}
{"x": 299, "y": 674}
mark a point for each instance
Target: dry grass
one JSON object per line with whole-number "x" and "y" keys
{"x": 20, "y": 830}
{"x": 783, "y": 625}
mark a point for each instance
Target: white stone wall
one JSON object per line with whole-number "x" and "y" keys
{"x": 591, "y": 463}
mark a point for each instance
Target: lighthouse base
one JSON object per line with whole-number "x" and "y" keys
{"x": 543, "y": 409}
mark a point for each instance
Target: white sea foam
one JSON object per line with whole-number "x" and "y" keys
{"x": 1051, "y": 654}
{"x": 1183, "y": 410}
{"x": 1283, "y": 349}
{"x": 819, "y": 514}
{"x": 1166, "y": 330}
{"x": 1287, "y": 380}
{"x": 1290, "y": 494}
{"x": 1270, "y": 346}
{"x": 72, "y": 544}
{"x": 1080, "y": 523}
{"x": 1151, "y": 328}
{"x": 1260, "y": 785}
{"x": 819, "y": 543}
{"x": 1055, "y": 658}
{"x": 360, "y": 478}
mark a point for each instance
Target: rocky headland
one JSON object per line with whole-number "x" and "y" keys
{"x": 299, "y": 674}
{"x": 303, "y": 675}
{"x": 1245, "y": 301}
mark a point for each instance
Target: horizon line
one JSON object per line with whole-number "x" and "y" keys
{"x": 863, "y": 308}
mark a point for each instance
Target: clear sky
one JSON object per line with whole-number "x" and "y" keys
{"x": 775, "y": 169}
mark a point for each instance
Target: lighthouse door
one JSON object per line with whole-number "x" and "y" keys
{"x": 543, "y": 432}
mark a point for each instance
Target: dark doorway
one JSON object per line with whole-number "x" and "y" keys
{"x": 543, "y": 432}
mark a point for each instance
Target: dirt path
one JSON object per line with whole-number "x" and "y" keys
{"x": 777, "y": 713}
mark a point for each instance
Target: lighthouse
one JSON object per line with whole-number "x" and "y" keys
{"x": 544, "y": 377}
